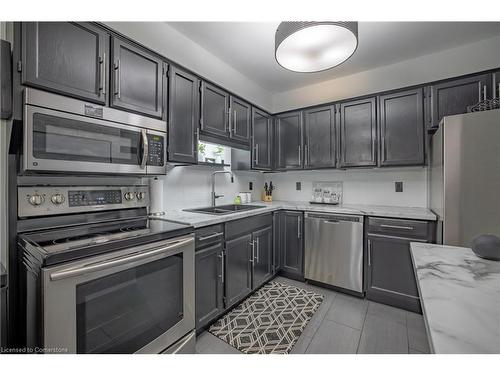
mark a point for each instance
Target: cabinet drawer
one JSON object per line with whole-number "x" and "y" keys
{"x": 247, "y": 225}
{"x": 209, "y": 235}
{"x": 400, "y": 227}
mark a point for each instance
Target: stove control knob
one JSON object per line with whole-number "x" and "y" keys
{"x": 36, "y": 199}
{"x": 140, "y": 195}
{"x": 129, "y": 196}
{"x": 57, "y": 198}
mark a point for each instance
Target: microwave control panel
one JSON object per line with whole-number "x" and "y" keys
{"x": 156, "y": 153}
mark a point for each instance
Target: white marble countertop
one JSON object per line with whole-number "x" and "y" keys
{"x": 200, "y": 220}
{"x": 460, "y": 297}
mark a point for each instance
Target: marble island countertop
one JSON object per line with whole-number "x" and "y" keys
{"x": 460, "y": 297}
{"x": 201, "y": 219}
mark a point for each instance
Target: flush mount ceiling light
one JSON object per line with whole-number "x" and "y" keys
{"x": 314, "y": 46}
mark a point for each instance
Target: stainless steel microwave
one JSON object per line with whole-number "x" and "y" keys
{"x": 65, "y": 135}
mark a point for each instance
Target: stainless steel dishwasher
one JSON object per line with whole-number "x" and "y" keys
{"x": 334, "y": 250}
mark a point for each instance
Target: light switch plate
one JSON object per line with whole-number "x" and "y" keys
{"x": 398, "y": 185}
{"x": 298, "y": 185}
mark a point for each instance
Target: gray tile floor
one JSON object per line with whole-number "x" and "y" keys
{"x": 345, "y": 324}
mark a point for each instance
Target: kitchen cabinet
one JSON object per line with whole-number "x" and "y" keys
{"x": 68, "y": 58}
{"x": 401, "y": 124}
{"x": 358, "y": 133}
{"x": 262, "y": 241}
{"x": 238, "y": 272}
{"x": 289, "y": 140}
{"x": 209, "y": 284}
{"x": 183, "y": 116}
{"x": 262, "y": 138}
{"x": 137, "y": 79}
{"x": 239, "y": 120}
{"x": 389, "y": 275}
{"x": 292, "y": 244}
{"x": 319, "y": 138}
{"x": 452, "y": 97}
{"x": 214, "y": 110}
{"x": 496, "y": 84}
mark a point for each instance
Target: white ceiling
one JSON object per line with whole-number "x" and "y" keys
{"x": 249, "y": 47}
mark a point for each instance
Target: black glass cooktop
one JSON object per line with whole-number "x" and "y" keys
{"x": 77, "y": 241}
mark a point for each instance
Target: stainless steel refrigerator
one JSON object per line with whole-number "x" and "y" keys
{"x": 464, "y": 177}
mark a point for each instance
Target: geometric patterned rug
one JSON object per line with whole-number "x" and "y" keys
{"x": 269, "y": 321}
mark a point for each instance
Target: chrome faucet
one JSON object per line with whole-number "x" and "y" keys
{"x": 215, "y": 196}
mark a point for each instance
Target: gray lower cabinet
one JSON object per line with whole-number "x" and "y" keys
{"x": 214, "y": 110}
{"x": 402, "y": 128}
{"x": 319, "y": 138}
{"x": 358, "y": 133}
{"x": 209, "y": 284}
{"x": 137, "y": 79}
{"x": 262, "y": 256}
{"x": 69, "y": 58}
{"x": 262, "y": 138}
{"x": 389, "y": 275}
{"x": 292, "y": 244}
{"x": 183, "y": 116}
{"x": 238, "y": 273}
{"x": 289, "y": 147}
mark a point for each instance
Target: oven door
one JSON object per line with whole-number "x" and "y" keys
{"x": 139, "y": 300}
{"x": 56, "y": 141}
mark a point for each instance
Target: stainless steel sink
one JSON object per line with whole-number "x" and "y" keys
{"x": 224, "y": 210}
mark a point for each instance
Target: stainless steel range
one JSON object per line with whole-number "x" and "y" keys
{"x": 100, "y": 275}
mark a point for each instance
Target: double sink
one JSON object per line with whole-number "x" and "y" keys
{"x": 224, "y": 210}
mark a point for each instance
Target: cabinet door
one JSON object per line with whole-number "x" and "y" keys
{"x": 401, "y": 122}
{"x": 319, "y": 138}
{"x": 291, "y": 244}
{"x": 238, "y": 272}
{"x": 262, "y": 126}
{"x": 137, "y": 79}
{"x": 239, "y": 118}
{"x": 209, "y": 284}
{"x": 66, "y": 57}
{"x": 358, "y": 133}
{"x": 214, "y": 110}
{"x": 390, "y": 277}
{"x": 276, "y": 242}
{"x": 183, "y": 116}
{"x": 496, "y": 85}
{"x": 289, "y": 140}
{"x": 453, "y": 97}
{"x": 262, "y": 256}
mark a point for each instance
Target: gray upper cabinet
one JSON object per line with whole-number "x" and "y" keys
{"x": 183, "y": 116}
{"x": 263, "y": 256}
{"x": 238, "y": 283}
{"x": 454, "y": 96}
{"x": 319, "y": 138}
{"x": 214, "y": 110}
{"x": 137, "y": 79}
{"x": 289, "y": 141}
{"x": 496, "y": 84}
{"x": 358, "y": 133}
{"x": 262, "y": 127}
{"x": 292, "y": 244}
{"x": 68, "y": 58}
{"x": 239, "y": 120}
{"x": 401, "y": 124}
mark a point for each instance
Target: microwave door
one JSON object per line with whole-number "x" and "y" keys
{"x": 56, "y": 141}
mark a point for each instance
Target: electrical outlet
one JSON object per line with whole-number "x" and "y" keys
{"x": 298, "y": 186}
{"x": 398, "y": 186}
{"x": 250, "y": 185}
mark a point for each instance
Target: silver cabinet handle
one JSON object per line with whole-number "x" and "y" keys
{"x": 300, "y": 155}
{"x": 234, "y": 121}
{"x": 145, "y": 148}
{"x": 396, "y": 227}
{"x": 228, "y": 125}
{"x": 256, "y": 153}
{"x": 258, "y": 249}
{"x": 484, "y": 92}
{"x": 119, "y": 260}
{"x": 298, "y": 227}
{"x": 221, "y": 256}
{"x": 102, "y": 62}
{"x": 306, "y": 154}
{"x": 369, "y": 253}
{"x": 118, "y": 86}
{"x": 218, "y": 234}
{"x": 252, "y": 260}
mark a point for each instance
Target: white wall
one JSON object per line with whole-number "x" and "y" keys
{"x": 469, "y": 58}
{"x": 172, "y": 44}
{"x": 360, "y": 186}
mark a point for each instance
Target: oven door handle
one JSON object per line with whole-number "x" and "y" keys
{"x": 145, "y": 148}
{"x": 118, "y": 261}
